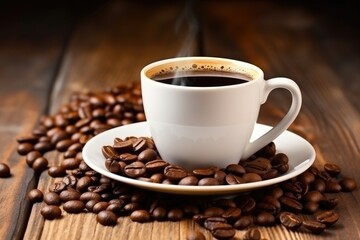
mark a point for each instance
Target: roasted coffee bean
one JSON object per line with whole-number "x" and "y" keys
{"x": 213, "y": 212}
{"x": 70, "y": 154}
{"x": 57, "y": 187}
{"x": 243, "y": 222}
{"x": 109, "y": 152}
{"x": 31, "y": 156}
{"x": 51, "y": 212}
{"x": 133, "y": 206}
{"x": 135, "y": 169}
{"x": 89, "y": 205}
{"x": 332, "y": 169}
{"x": 123, "y": 146}
{"x": 189, "y": 180}
{"x": 203, "y": 172}
{"x": 235, "y": 169}
{"x": 174, "y": 172}
{"x": 251, "y": 177}
{"x": 56, "y": 171}
{"x": 252, "y": 234}
{"x": 195, "y": 235}
{"x": 74, "y": 206}
{"x": 106, "y": 218}
{"x": 212, "y": 223}
{"x": 70, "y": 163}
{"x": 35, "y": 195}
{"x": 159, "y": 213}
{"x": 310, "y": 207}
{"x": 28, "y": 139}
{"x": 25, "y": 148}
{"x": 140, "y": 216}
{"x": 128, "y": 158}
{"x": 290, "y": 220}
{"x": 220, "y": 176}
{"x": 52, "y": 198}
{"x": 328, "y": 217}
{"x": 314, "y": 226}
{"x": 139, "y": 145}
{"x": 63, "y": 145}
{"x": 87, "y": 196}
{"x": 175, "y": 214}
{"x": 208, "y": 182}
{"x": 265, "y": 219}
{"x": 116, "y": 207}
{"x": 223, "y": 233}
{"x": 313, "y": 196}
{"x": 68, "y": 195}
{"x": 40, "y": 164}
{"x": 332, "y": 186}
{"x": 267, "y": 152}
{"x": 70, "y": 181}
{"x": 225, "y": 203}
{"x": 348, "y": 184}
{"x": 231, "y": 214}
{"x": 272, "y": 173}
{"x": 259, "y": 166}
{"x": 232, "y": 179}
{"x": 246, "y": 204}
{"x": 329, "y": 203}
{"x": 319, "y": 185}
{"x": 147, "y": 155}
{"x": 83, "y": 183}
{"x": 100, "y": 206}
{"x": 4, "y": 170}
{"x": 306, "y": 177}
{"x": 156, "y": 165}
{"x": 113, "y": 166}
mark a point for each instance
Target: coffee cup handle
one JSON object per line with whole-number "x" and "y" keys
{"x": 271, "y": 84}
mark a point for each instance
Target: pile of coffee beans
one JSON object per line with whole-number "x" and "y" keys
{"x": 136, "y": 157}
{"x": 304, "y": 203}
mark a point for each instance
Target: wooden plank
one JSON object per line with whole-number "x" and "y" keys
{"x": 108, "y": 48}
{"x": 284, "y": 41}
{"x": 30, "y": 49}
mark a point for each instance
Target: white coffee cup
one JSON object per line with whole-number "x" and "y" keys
{"x": 205, "y": 126}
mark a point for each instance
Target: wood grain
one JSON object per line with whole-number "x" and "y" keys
{"x": 47, "y": 53}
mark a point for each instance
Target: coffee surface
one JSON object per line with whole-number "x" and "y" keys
{"x": 203, "y": 81}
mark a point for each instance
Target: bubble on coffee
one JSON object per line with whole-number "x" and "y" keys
{"x": 202, "y": 75}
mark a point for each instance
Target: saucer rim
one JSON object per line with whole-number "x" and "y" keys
{"x": 141, "y": 129}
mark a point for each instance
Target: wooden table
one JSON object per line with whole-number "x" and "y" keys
{"x": 48, "y": 52}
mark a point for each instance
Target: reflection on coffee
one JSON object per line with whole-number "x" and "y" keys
{"x": 203, "y": 81}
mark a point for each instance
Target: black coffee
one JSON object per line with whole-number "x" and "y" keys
{"x": 203, "y": 81}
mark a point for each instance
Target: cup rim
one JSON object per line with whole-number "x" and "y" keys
{"x": 164, "y": 66}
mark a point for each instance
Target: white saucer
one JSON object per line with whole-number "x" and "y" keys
{"x": 300, "y": 152}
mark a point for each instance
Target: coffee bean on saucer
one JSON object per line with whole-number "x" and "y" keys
{"x": 174, "y": 172}
{"x": 135, "y": 169}
{"x": 4, "y": 170}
